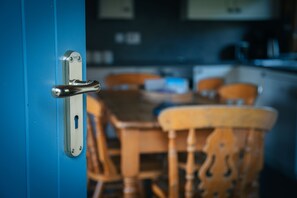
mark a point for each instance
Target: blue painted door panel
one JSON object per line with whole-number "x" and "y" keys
{"x": 12, "y": 106}
{"x": 34, "y": 37}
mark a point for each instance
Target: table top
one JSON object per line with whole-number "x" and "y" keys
{"x": 133, "y": 109}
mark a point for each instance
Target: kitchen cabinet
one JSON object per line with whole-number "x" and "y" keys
{"x": 279, "y": 92}
{"x": 116, "y": 9}
{"x": 230, "y": 9}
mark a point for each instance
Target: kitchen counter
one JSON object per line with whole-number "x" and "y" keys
{"x": 273, "y": 64}
{"x": 99, "y": 72}
{"x": 276, "y": 64}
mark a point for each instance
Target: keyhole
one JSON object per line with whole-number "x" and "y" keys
{"x": 76, "y": 121}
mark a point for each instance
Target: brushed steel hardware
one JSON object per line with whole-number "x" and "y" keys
{"x": 75, "y": 87}
{"x": 72, "y": 91}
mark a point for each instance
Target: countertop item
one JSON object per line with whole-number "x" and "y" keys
{"x": 278, "y": 64}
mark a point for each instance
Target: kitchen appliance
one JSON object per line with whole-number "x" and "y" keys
{"x": 272, "y": 48}
{"x": 242, "y": 51}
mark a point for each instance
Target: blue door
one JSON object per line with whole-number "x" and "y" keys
{"x": 34, "y": 36}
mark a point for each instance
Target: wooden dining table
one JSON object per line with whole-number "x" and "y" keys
{"x": 131, "y": 113}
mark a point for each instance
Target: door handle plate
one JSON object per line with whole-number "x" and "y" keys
{"x": 72, "y": 63}
{"x": 72, "y": 91}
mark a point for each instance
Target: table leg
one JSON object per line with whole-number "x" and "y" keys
{"x": 130, "y": 187}
{"x": 130, "y": 161}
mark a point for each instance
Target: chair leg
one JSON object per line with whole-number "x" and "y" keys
{"x": 140, "y": 188}
{"x": 157, "y": 191}
{"x": 98, "y": 190}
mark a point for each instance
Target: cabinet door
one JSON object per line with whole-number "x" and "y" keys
{"x": 230, "y": 9}
{"x": 206, "y": 9}
{"x": 280, "y": 92}
{"x": 116, "y": 9}
{"x": 256, "y": 9}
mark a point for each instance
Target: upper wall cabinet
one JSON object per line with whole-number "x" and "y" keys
{"x": 230, "y": 9}
{"x": 116, "y": 9}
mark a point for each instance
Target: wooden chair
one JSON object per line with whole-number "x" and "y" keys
{"x": 208, "y": 87}
{"x": 102, "y": 168}
{"x": 239, "y": 93}
{"x": 233, "y": 148}
{"x": 210, "y": 84}
{"x": 132, "y": 80}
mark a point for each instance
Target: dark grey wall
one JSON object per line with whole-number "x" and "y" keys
{"x": 167, "y": 39}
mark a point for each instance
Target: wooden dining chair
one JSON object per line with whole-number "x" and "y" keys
{"x": 103, "y": 162}
{"x": 233, "y": 148}
{"x": 208, "y": 87}
{"x": 239, "y": 93}
{"x": 210, "y": 84}
{"x": 132, "y": 80}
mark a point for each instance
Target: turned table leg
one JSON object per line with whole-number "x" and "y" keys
{"x": 130, "y": 161}
{"x": 131, "y": 187}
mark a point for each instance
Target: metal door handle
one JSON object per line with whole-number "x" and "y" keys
{"x": 75, "y": 87}
{"x": 73, "y": 106}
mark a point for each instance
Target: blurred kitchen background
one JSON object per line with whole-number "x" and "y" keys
{"x": 240, "y": 40}
{"x": 163, "y": 33}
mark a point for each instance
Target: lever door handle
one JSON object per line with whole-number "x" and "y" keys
{"x": 75, "y": 87}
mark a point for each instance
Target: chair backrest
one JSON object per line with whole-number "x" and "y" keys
{"x": 132, "y": 80}
{"x": 99, "y": 161}
{"x": 209, "y": 84}
{"x": 238, "y": 93}
{"x": 234, "y": 147}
